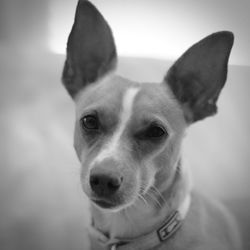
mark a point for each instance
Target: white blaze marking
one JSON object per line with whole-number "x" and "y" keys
{"x": 112, "y": 146}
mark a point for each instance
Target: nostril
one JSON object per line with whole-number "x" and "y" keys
{"x": 94, "y": 181}
{"x": 114, "y": 184}
{"x": 104, "y": 185}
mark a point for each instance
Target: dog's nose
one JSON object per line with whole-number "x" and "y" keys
{"x": 104, "y": 185}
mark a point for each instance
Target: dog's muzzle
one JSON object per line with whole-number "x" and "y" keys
{"x": 105, "y": 184}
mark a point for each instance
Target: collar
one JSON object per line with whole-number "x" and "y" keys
{"x": 150, "y": 240}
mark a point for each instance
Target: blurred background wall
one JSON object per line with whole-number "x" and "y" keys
{"x": 41, "y": 202}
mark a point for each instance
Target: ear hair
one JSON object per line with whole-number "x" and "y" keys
{"x": 91, "y": 51}
{"x": 198, "y": 76}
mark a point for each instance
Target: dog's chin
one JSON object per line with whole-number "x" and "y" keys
{"x": 104, "y": 204}
{"x": 109, "y": 205}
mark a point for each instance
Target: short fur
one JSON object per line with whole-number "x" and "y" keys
{"x": 150, "y": 177}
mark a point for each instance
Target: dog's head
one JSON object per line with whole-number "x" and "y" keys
{"x": 128, "y": 135}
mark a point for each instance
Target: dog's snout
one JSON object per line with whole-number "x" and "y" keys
{"x": 104, "y": 185}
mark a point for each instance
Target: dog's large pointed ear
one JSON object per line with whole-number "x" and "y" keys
{"x": 91, "y": 51}
{"x": 198, "y": 76}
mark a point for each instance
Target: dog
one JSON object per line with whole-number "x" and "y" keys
{"x": 128, "y": 138}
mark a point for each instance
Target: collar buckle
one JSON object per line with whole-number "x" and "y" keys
{"x": 170, "y": 226}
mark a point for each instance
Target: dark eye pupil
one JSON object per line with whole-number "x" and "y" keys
{"x": 155, "y": 131}
{"x": 90, "y": 122}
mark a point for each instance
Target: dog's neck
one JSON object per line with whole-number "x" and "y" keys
{"x": 143, "y": 217}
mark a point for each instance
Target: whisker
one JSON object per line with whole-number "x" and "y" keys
{"x": 157, "y": 192}
{"x": 142, "y": 196}
{"x": 154, "y": 199}
{"x": 152, "y": 193}
{"x": 143, "y": 199}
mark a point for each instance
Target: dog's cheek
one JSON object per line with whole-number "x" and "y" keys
{"x": 84, "y": 170}
{"x": 81, "y": 149}
{"x": 79, "y": 143}
{"x": 162, "y": 160}
{"x": 147, "y": 175}
{"x": 84, "y": 180}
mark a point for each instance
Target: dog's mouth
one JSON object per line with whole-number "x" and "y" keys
{"x": 104, "y": 194}
{"x": 104, "y": 203}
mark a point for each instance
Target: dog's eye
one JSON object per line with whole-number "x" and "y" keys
{"x": 90, "y": 122}
{"x": 155, "y": 131}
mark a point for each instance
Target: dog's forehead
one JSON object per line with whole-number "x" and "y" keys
{"x": 106, "y": 94}
{"x": 156, "y": 101}
{"x": 151, "y": 99}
